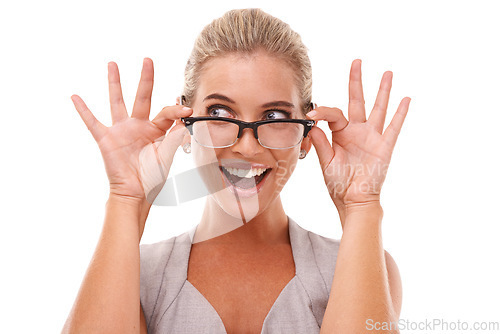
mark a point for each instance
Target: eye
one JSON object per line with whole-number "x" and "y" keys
{"x": 277, "y": 114}
{"x": 218, "y": 111}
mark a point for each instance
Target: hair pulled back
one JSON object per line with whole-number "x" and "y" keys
{"x": 247, "y": 31}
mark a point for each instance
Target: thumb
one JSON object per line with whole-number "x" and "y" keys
{"x": 168, "y": 147}
{"x": 156, "y": 159}
{"x": 322, "y": 146}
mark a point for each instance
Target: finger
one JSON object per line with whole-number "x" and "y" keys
{"x": 118, "y": 110}
{"x": 96, "y": 128}
{"x": 334, "y": 116}
{"x": 168, "y": 147}
{"x": 356, "y": 99}
{"x": 392, "y": 132}
{"x": 155, "y": 162}
{"x": 322, "y": 146}
{"x": 142, "y": 104}
{"x": 379, "y": 111}
{"x": 168, "y": 115}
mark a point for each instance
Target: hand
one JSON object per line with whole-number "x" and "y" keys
{"x": 137, "y": 154}
{"x": 355, "y": 164}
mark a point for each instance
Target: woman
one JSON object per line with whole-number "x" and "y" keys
{"x": 247, "y": 267}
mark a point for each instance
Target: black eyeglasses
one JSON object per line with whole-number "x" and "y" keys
{"x": 223, "y": 132}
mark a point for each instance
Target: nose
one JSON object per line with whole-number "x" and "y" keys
{"x": 247, "y": 145}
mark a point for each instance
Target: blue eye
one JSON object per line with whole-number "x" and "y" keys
{"x": 278, "y": 114}
{"x": 218, "y": 111}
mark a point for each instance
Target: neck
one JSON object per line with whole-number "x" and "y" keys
{"x": 268, "y": 227}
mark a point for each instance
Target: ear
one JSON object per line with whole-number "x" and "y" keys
{"x": 306, "y": 144}
{"x": 186, "y": 138}
{"x": 180, "y": 100}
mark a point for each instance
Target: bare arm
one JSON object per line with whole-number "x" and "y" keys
{"x": 366, "y": 289}
{"x": 137, "y": 156}
{"x": 109, "y": 297}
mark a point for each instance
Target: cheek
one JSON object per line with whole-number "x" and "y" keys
{"x": 207, "y": 166}
{"x": 286, "y": 163}
{"x": 203, "y": 155}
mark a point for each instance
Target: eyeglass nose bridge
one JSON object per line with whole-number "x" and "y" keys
{"x": 243, "y": 125}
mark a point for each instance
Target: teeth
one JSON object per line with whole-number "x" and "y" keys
{"x": 246, "y": 173}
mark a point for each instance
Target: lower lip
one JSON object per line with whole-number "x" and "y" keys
{"x": 244, "y": 193}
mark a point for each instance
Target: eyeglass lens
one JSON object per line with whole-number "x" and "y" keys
{"x": 214, "y": 133}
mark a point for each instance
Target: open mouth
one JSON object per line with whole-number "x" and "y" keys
{"x": 245, "y": 178}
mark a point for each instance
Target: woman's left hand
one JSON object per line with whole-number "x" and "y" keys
{"x": 355, "y": 164}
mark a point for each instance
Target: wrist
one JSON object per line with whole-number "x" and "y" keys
{"x": 370, "y": 207}
{"x": 365, "y": 217}
{"x": 130, "y": 207}
{"x": 125, "y": 200}
{"x": 341, "y": 208}
{"x": 127, "y": 208}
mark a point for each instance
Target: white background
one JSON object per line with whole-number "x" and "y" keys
{"x": 441, "y": 196}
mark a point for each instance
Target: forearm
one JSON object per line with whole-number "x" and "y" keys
{"x": 109, "y": 297}
{"x": 145, "y": 207}
{"x": 360, "y": 289}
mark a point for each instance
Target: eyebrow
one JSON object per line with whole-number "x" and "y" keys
{"x": 278, "y": 104}
{"x": 216, "y": 96}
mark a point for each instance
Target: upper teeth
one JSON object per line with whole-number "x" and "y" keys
{"x": 246, "y": 173}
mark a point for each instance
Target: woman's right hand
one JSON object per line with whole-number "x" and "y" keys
{"x": 137, "y": 154}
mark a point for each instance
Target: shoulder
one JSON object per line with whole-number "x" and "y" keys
{"x": 161, "y": 247}
{"x": 155, "y": 256}
{"x": 163, "y": 271}
{"x": 321, "y": 251}
{"x": 324, "y": 249}
{"x": 154, "y": 259}
{"x": 322, "y": 244}
{"x": 325, "y": 254}
{"x": 395, "y": 285}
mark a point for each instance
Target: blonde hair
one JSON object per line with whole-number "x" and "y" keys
{"x": 247, "y": 31}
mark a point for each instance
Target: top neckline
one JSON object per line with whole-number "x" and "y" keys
{"x": 292, "y": 226}
{"x": 308, "y": 277}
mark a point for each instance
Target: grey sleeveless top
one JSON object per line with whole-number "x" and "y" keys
{"x": 172, "y": 304}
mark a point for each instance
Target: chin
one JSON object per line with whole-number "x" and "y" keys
{"x": 242, "y": 209}
{"x": 241, "y": 197}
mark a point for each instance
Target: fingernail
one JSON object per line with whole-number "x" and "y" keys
{"x": 186, "y": 109}
{"x": 311, "y": 114}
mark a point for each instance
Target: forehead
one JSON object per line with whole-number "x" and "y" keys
{"x": 255, "y": 78}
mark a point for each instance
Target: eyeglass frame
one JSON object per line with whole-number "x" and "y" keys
{"x": 307, "y": 123}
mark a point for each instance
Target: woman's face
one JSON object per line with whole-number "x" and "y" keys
{"x": 249, "y": 88}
